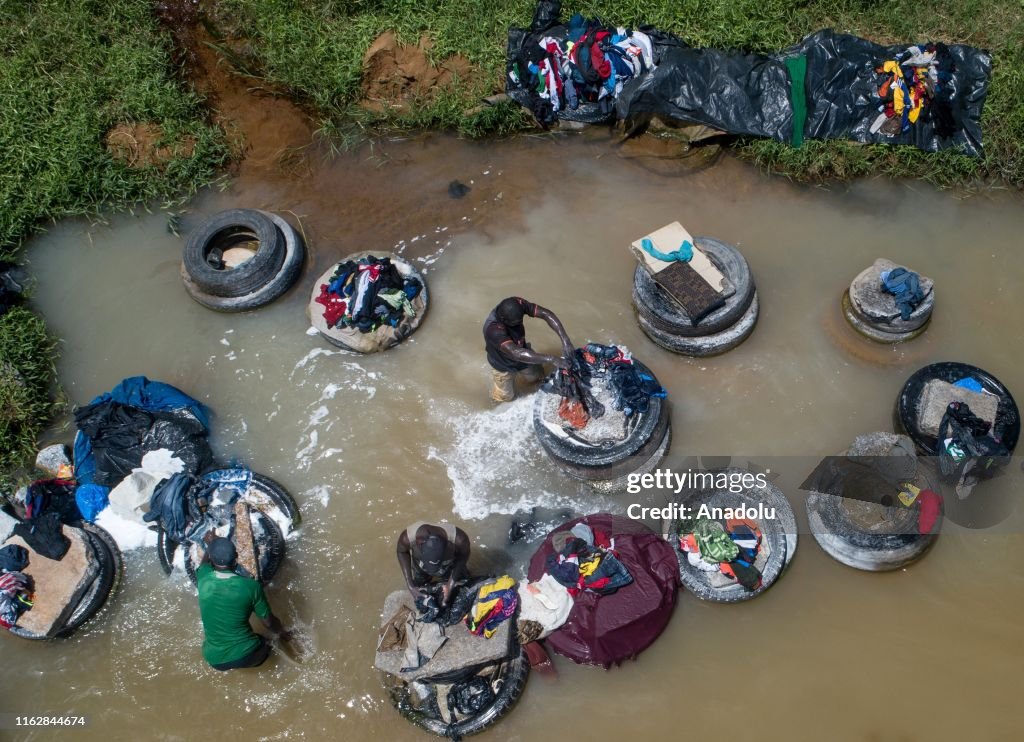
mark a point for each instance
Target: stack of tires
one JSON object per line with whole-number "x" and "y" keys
{"x": 668, "y": 324}
{"x": 241, "y": 259}
{"x": 878, "y": 533}
{"x": 605, "y": 465}
{"x": 873, "y": 313}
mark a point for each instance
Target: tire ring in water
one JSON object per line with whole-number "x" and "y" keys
{"x": 774, "y": 532}
{"x": 271, "y": 553}
{"x": 707, "y": 345}
{"x": 877, "y": 332}
{"x": 618, "y": 485}
{"x": 564, "y": 451}
{"x": 273, "y": 287}
{"x": 1007, "y": 422}
{"x": 655, "y": 305}
{"x": 511, "y": 680}
{"x": 104, "y": 584}
{"x": 224, "y": 230}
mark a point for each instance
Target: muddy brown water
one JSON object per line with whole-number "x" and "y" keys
{"x": 370, "y": 444}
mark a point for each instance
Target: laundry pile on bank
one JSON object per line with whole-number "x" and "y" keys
{"x": 625, "y": 387}
{"x": 730, "y": 548}
{"x": 367, "y": 293}
{"x": 828, "y": 86}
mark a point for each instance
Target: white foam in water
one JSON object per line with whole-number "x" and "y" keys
{"x": 129, "y": 534}
{"x": 497, "y": 466}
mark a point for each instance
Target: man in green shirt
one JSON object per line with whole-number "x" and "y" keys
{"x": 226, "y": 600}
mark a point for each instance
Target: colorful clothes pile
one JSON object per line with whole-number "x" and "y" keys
{"x": 15, "y": 597}
{"x": 496, "y": 601}
{"x": 585, "y": 559}
{"x": 367, "y": 294}
{"x": 731, "y": 548}
{"x": 916, "y": 79}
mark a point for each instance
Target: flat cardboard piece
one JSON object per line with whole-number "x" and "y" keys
{"x": 668, "y": 239}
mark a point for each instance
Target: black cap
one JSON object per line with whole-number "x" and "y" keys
{"x": 432, "y": 554}
{"x": 222, "y": 552}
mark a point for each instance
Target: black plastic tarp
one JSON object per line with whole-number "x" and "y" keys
{"x": 750, "y": 94}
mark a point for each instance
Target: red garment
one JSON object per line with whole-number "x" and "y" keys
{"x": 930, "y": 505}
{"x": 335, "y": 305}
{"x": 574, "y": 413}
{"x": 597, "y": 58}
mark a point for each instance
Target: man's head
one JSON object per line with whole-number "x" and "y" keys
{"x": 510, "y": 312}
{"x": 432, "y": 552}
{"x": 222, "y": 553}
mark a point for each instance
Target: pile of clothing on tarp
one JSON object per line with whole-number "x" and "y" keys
{"x": 585, "y": 559}
{"x": 631, "y": 388}
{"x": 367, "y": 294}
{"x": 496, "y": 601}
{"x": 969, "y": 448}
{"x": 730, "y": 548}
{"x": 15, "y": 586}
{"x": 142, "y": 431}
{"x": 915, "y": 80}
{"x": 575, "y": 71}
{"x": 905, "y": 285}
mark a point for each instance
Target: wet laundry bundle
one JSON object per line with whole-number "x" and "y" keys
{"x": 730, "y": 548}
{"x": 367, "y": 294}
{"x": 584, "y": 559}
{"x": 15, "y": 597}
{"x": 905, "y": 285}
{"x": 968, "y": 448}
{"x": 496, "y": 601}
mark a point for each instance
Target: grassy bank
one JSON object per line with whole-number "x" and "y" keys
{"x": 315, "y": 48}
{"x": 26, "y": 379}
{"x": 71, "y": 73}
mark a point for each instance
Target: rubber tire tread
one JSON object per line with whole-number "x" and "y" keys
{"x": 250, "y": 275}
{"x": 272, "y": 289}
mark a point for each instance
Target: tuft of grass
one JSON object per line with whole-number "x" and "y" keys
{"x": 70, "y": 70}
{"x": 314, "y": 48}
{"x": 27, "y": 357}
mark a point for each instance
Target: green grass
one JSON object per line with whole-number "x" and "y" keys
{"x": 314, "y": 49}
{"x": 69, "y": 71}
{"x": 27, "y": 357}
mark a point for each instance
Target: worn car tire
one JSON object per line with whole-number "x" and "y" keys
{"x": 222, "y": 231}
{"x": 774, "y": 534}
{"x": 907, "y": 402}
{"x": 272, "y": 287}
{"x": 706, "y": 345}
{"x": 270, "y": 553}
{"x": 579, "y": 454}
{"x": 106, "y": 583}
{"x": 512, "y": 676}
{"x": 655, "y": 305}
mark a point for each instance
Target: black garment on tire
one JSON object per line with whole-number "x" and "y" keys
{"x": 13, "y": 558}
{"x": 45, "y": 536}
{"x": 471, "y": 696}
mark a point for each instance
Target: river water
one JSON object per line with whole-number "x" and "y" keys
{"x": 370, "y": 444}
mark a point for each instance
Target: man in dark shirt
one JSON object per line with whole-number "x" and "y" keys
{"x": 509, "y": 354}
{"x": 226, "y": 600}
{"x": 433, "y": 559}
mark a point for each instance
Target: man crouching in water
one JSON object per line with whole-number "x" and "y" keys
{"x": 433, "y": 560}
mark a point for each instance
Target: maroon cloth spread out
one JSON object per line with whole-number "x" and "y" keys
{"x": 608, "y": 629}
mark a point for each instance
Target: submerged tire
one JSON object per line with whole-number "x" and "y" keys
{"x": 845, "y": 542}
{"x": 618, "y": 485}
{"x": 661, "y": 311}
{"x": 875, "y": 331}
{"x": 508, "y": 684}
{"x": 579, "y": 454}
{"x": 165, "y": 549}
{"x": 106, "y": 582}
{"x": 775, "y": 537}
{"x": 272, "y": 287}
{"x": 223, "y": 231}
{"x": 280, "y": 497}
{"x": 706, "y": 345}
